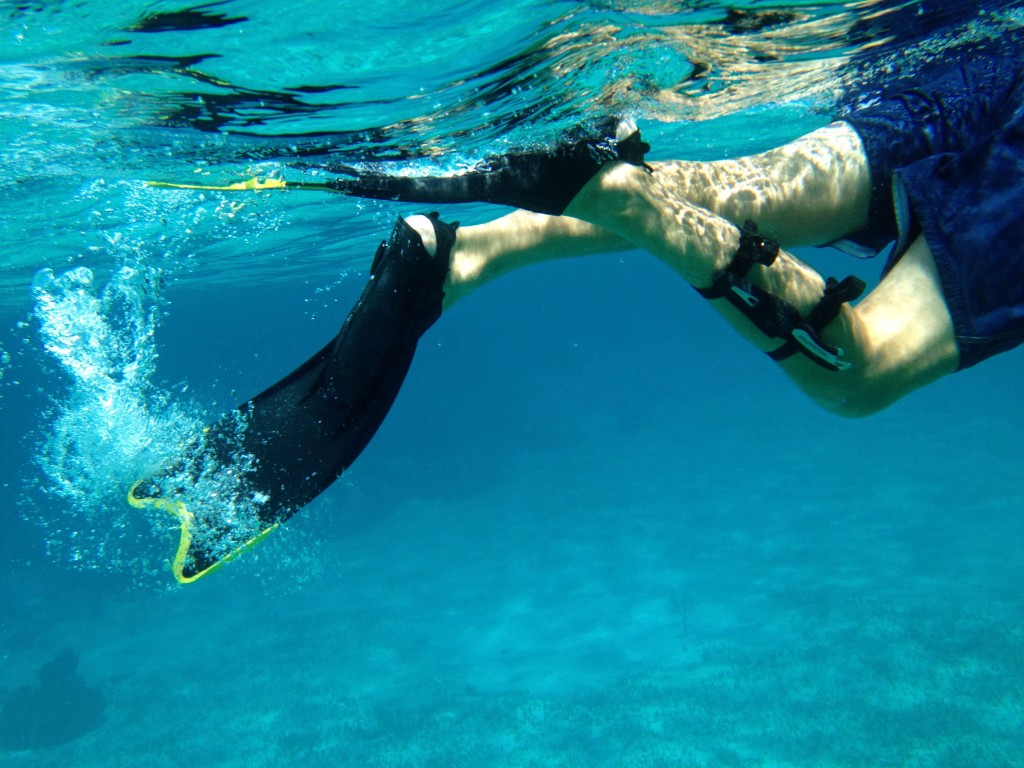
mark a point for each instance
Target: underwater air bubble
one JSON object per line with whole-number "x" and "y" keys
{"x": 113, "y": 425}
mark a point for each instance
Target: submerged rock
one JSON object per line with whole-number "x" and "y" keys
{"x": 58, "y": 708}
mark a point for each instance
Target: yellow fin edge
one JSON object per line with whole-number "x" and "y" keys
{"x": 255, "y": 184}
{"x": 249, "y": 185}
{"x": 186, "y": 519}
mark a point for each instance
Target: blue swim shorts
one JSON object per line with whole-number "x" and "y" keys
{"x": 947, "y": 161}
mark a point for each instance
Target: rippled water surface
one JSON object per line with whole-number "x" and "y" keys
{"x": 98, "y": 97}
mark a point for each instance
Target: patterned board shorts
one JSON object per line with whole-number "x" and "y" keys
{"x": 947, "y": 161}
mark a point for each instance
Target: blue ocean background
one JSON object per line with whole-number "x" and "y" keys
{"x": 596, "y": 528}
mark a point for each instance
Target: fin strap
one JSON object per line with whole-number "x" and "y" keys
{"x": 753, "y": 249}
{"x": 775, "y": 317}
{"x": 806, "y": 336}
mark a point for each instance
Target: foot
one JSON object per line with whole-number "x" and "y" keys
{"x": 543, "y": 181}
{"x": 420, "y": 247}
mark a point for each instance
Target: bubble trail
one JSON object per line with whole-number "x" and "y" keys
{"x": 111, "y": 424}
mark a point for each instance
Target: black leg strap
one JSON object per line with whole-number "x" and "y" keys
{"x": 806, "y": 335}
{"x": 753, "y": 249}
{"x": 775, "y": 317}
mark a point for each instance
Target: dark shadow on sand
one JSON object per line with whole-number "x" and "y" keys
{"x": 58, "y": 708}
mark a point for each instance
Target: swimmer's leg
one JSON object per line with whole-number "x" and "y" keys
{"x": 813, "y": 190}
{"x": 292, "y": 441}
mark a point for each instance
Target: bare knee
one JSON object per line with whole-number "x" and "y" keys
{"x": 852, "y": 400}
{"x": 855, "y": 393}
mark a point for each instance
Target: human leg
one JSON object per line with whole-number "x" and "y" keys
{"x": 813, "y": 190}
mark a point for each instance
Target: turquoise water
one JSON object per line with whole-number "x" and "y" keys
{"x": 595, "y": 530}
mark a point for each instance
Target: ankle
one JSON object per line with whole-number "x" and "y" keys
{"x": 425, "y": 230}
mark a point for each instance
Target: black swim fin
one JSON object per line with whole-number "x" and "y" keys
{"x": 544, "y": 181}
{"x": 298, "y": 436}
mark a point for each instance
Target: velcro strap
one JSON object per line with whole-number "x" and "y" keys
{"x": 771, "y": 316}
{"x": 753, "y": 249}
{"x": 806, "y": 336}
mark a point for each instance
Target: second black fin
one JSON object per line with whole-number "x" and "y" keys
{"x": 543, "y": 181}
